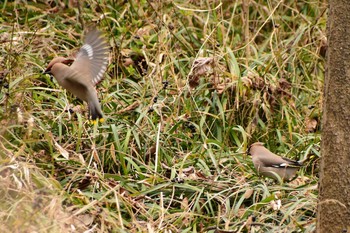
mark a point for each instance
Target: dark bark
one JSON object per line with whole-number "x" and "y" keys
{"x": 334, "y": 196}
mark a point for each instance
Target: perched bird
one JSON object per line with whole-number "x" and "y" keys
{"x": 271, "y": 165}
{"x": 85, "y": 71}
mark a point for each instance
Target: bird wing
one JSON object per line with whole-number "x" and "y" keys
{"x": 92, "y": 58}
{"x": 278, "y": 162}
{"x": 77, "y": 86}
{"x": 292, "y": 163}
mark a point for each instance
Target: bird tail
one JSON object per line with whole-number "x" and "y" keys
{"x": 308, "y": 158}
{"x": 95, "y": 112}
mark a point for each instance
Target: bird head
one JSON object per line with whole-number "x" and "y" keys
{"x": 57, "y": 60}
{"x": 253, "y": 147}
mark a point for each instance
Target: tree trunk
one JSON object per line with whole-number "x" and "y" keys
{"x": 334, "y": 192}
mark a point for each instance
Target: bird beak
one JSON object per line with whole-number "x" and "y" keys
{"x": 46, "y": 71}
{"x": 67, "y": 61}
{"x": 248, "y": 150}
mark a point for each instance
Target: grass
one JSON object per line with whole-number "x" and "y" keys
{"x": 189, "y": 87}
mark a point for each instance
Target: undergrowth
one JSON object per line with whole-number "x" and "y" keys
{"x": 190, "y": 85}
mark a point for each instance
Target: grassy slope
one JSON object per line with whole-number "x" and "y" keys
{"x": 189, "y": 87}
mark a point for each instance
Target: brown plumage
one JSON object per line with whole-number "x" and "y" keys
{"x": 86, "y": 70}
{"x": 271, "y": 165}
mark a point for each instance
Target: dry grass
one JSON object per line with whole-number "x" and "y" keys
{"x": 189, "y": 86}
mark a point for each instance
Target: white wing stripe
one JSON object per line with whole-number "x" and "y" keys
{"x": 89, "y": 51}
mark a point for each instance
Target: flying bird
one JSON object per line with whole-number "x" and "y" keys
{"x": 85, "y": 71}
{"x": 271, "y": 165}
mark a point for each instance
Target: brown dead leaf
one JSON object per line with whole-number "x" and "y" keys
{"x": 128, "y": 62}
{"x": 3, "y": 72}
{"x": 246, "y": 81}
{"x": 220, "y": 88}
{"x": 77, "y": 108}
{"x": 201, "y": 66}
{"x": 248, "y": 223}
{"x": 184, "y": 204}
{"x": 82, "y": 221}
{"x": 299, "y": 181}
{"x": 284, "y": 84}
{"x": 151, "y": 151}
{"x": 126, "y": 52}
{"x": 194, "y": 81}
{"x": 310, "y": 125}
{"x": 241, "y": 211}
{"x": 248, "y": 193}
{"x": 62, "y": 151}
{"x": 54, "y": 10}
{"x": 188, "y": 171}
{"x": 84, "y": 183}
{"x": 86, "y": 219}
{"x": 256, "y": 81}
{"x": 145, "y": 31}
{"x": 200, "y": 175}
{"x": 215, "y": 73}
{"x": 276, "y": 204}
{"x": 73, "y": 3}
